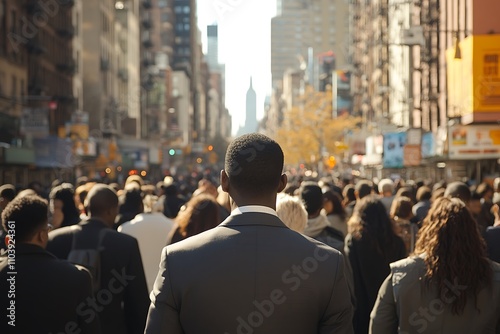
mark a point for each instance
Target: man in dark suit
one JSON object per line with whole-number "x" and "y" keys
{"x": 251, "y": 274}
{"x": 40, "y": 294}
{"x": 122, "y": 299}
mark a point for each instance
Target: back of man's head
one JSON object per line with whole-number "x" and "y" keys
{"x": 483, "y": 189}
{"x": 386, "y": 187}
{"x": 254, "y": 164}
{"x": 363, "y": 189}
{"x": 424, "y": 193}
{"x": 28, "y": 214}
{"x": 131, "y": 202}
{"x": 458, "y": 190}
{"x": 312, "y": 197}
{"x": 100, "y": 199}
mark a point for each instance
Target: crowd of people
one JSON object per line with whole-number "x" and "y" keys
{"x": 251, "y": 249}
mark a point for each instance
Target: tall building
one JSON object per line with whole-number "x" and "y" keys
{"x": 213, "y": 46}
{"x": 99, "y": 64}
{"x": 186, "y": 56}
{"x": 127, "y": 39}
{"x": 251, "y": 112}
{"x": 37, "y": 98}
{"x": 322, "y": 25}
{"x": 216, "y": 112}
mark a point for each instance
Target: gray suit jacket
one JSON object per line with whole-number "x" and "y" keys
{"x": 250, "y": 274}
{"x": 406, "y": 305}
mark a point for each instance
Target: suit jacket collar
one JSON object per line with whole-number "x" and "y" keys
{"x": 30, "y": 249}
{"x": 94, "y": 222}
{"x": 253, "y": 219}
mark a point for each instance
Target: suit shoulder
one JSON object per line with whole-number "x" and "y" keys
{"x": 61, "y": 232}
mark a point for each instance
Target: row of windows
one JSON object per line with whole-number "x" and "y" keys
{"x": 182, "y": 9}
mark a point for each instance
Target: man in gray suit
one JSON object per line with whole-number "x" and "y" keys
{"x": 251, "y": 274}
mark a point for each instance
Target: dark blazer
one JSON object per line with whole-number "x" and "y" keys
{"x": 492, "y": 237}
{"x": 48, "y": 294}
{"x": 369, "y": 268}
{"x": 122, "y": 302}
{"x": 250, "y": 274}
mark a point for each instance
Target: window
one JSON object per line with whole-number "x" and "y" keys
{"x": 162, "y": 3}
{"x": 186, "y": 10}
{"x": 178, "y": 9}
{"x": 164, "y": 17}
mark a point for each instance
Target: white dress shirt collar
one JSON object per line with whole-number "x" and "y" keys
{"x": 253, "y": 208}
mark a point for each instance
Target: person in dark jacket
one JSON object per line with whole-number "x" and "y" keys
{"x": 40, "y": 293}
{"x": 122, "y": 301}
{"x": 370, "y": 247}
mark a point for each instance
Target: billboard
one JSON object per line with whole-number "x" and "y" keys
{"x": 35, "y": 122}
{"x": 394, "y": 144}
{"x": 471, "y": 142}
{"x": 341, "y": 93}
{"x": 428, "y": 148}
{"x": 474, "y": 79}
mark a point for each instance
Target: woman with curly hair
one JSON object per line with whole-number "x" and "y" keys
{"x": 448, "y": 285}
{"x": 370, "y": 246}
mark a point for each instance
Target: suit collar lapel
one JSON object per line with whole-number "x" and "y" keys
{"x": 253, "y": 219}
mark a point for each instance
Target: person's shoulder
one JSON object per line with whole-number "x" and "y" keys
{"x": 63, "y": 231}
{"x": 493, "y": 231}
{"x": 495, "y": 266}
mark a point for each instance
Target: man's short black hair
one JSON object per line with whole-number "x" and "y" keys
{"x": 254, "y": 164}
{"x": 131, "y": 201}
{"x": 364, "y": 188}
{"x": 99, "y": 199}
{"x": 29, "y": 213}
{"x": 458, "y": 190}
{"x": 8, "y": 191}
{"x": 312, "y": 197}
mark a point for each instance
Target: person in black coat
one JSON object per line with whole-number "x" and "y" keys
{"x": 122, "y": 301}
{"x": 41, "y": 293}
{"x": 370, "y": 246}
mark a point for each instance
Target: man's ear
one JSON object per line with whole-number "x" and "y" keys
{"x": 224, "y": 181}
{"x": 283, "y": 182}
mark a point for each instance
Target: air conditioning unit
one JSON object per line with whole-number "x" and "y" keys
{"x": 413, "y": 36}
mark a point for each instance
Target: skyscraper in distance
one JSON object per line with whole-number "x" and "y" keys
{"x": 251, "y": 112}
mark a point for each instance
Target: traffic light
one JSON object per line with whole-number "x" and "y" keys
{"x": 210, "y": 148}
{"x": 171, "y": 152}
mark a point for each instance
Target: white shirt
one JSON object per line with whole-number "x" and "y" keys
{"x": 151, "y": 231}
{"x": 253, "y": 208}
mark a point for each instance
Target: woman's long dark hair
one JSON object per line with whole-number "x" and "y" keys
{"x": 338, "y": 208}
{"x": 66, "y": 194}
{"x": 370, "y": 221}
{"x": 201, "y": 214}
{"x": 454, "y": 251}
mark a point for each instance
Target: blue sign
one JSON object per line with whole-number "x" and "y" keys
{"x": 394, "y": 144}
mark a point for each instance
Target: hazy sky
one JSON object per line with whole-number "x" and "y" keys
{"x": 244, "y": 46}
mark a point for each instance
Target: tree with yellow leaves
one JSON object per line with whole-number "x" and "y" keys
{"x": 310, "y": 132}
